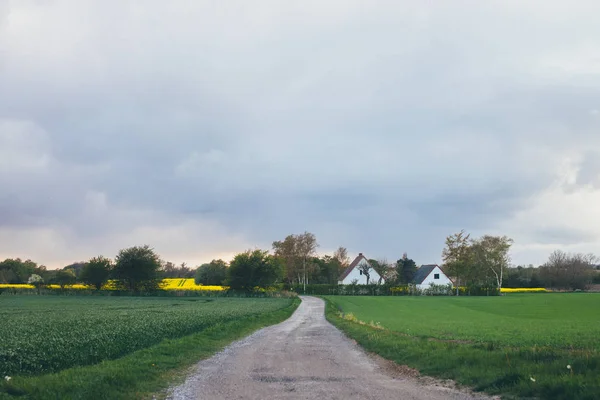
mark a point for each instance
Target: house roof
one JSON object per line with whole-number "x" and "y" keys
{"x": 352, "y": 265}
{"x": 422, "y": 273}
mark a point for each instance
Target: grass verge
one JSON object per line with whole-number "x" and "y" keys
{"x": 510, "y": 371}
{"x": 143, "y": 373}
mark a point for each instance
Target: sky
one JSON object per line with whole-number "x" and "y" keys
{"x": 205, "y": 128}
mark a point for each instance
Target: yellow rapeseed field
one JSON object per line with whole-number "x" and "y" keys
{"x": 186, "y": 284}
{"x": 15, "y": 286}
{"x": 166, "y": 284}
{"x": 523, "y": 290}
{"x": 190, "y": 284}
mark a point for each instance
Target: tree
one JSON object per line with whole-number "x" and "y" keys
{"x": 365, "y": 269}
{"x": 568, "y": 271}
{"x": 254, "y": 268}
{"x": 18, "y": 271}
{"x": 296, "y": 252}
{"x": 37, "y": 281}
{"x": 341, "y": 255}
{"x": 213, "y": 273}
{"x": 457, "y": 257}
{"x": 137, "y": 268}
{"x": 64, "y": 277}
{"x": 327, "y": 269}
{"x": 382, "y": 267}
{"x": 307, "y": 247}
{"x": 476, "y": 262}
{"x": 76, "y": 267}
{"x": 287, "y": 251}
{"x": 522, "y": 277}
{"x": 405, "y": 269}
{"x": 96, "y": 272}
{"x": 170, "y": 270}
{"x": 491, "y": 254}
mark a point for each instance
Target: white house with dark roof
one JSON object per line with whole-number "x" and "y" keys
{"x": 355, "y": 272}
{"x": 428, "y": 275}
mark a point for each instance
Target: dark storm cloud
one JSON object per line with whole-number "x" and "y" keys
{"x": 379, "y": 127}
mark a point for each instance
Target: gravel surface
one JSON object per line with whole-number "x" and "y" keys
{"x": 306, "y": 357}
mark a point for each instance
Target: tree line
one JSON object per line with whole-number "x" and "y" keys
{"x": 291, "y": 261}
{"x": 472, "y": 262}
{"x": 486, "y": 262}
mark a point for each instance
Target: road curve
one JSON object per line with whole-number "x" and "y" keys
{"x": 304, "y": 357}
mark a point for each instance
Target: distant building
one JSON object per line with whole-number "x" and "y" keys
{"x": 354, "y": 272}
{"x": 428, "y": 275}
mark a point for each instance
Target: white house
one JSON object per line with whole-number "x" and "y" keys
{"x": 429, "y": 275}
{"x": 356, "y": 272}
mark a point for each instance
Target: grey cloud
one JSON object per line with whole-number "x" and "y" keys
{"x": 382, "y": 127}
{"x": 589, "y": 170}
{"x": 562, "y": 236}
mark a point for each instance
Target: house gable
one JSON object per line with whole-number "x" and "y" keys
{"x": 353, "y": 273}
{"x": 428, "y": 275}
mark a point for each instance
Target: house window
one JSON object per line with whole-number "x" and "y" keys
{"x": 436, "y": 276}
{"x": 360, "y": 272}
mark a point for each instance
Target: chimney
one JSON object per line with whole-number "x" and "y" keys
{"x": 359, "y": 254}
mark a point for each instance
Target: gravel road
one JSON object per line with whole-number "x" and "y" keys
{"x": 305, "y": 357}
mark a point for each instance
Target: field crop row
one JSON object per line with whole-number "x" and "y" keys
{"x": 48, "y": 334}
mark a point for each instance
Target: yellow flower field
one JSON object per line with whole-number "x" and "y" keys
{"x": 16, "y": 286}
{"x": 187, "y": 284}
{"x": 166, "y": 284}
{"x": 523, "y": 290}
{"x": 190, "y": 284}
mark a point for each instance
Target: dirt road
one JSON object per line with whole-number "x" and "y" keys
{"x": 304, "y": 357}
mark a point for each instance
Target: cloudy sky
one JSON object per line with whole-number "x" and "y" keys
{"x": 204, "y": 128}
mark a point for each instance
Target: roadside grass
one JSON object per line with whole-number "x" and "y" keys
{"x": 144, "y": 373}
{"x": 457, "y": 344}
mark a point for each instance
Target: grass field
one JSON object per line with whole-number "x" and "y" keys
{"x": 542, "y": 345}
{"x": 46, "y": 339}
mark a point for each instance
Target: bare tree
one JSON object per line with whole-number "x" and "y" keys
{"x": 365, "y": 268}
{"x": 382, "y": 267}
{"x": 567, "y": 271}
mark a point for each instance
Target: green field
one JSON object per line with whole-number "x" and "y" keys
{"x": 46, "y": 339}
{"x": 518, "y": 344}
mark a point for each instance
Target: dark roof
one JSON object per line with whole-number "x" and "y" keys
{"x": 352, "y": 265}
{"x": 423, "y": 273}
